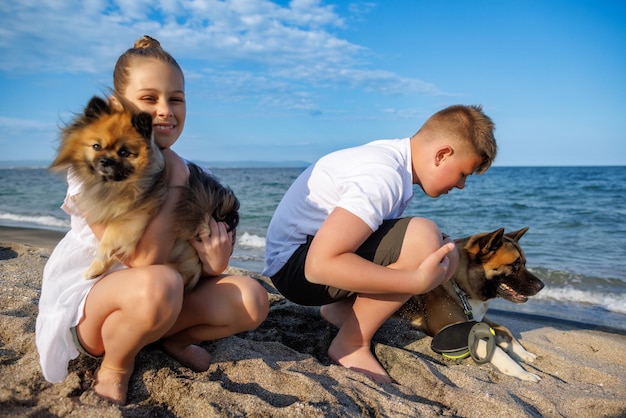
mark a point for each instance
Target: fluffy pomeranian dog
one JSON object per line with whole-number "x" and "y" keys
{"x": 110, "y": 149}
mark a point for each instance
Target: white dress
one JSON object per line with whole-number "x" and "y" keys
{"x": 64, "y": 290}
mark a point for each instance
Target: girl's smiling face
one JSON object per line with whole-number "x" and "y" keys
{"x": 158, "y": 88}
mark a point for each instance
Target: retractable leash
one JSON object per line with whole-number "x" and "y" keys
{"x": 458, "y": 341}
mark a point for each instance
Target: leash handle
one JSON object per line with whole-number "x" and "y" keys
{"x": 481, "y": 331}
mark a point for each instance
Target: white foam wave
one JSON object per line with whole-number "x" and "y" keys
{"x": 253, "y": 241}
{"x": 612, "y": 302}
{"x": 44, "y": 221}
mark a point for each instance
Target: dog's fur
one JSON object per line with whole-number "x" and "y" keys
{"x": 205, "y": 197}
{"x": 110, "y": 149}
{"x": 490, "y": 265}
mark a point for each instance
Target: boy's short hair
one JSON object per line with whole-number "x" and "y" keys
{"x": 468, "y": 125}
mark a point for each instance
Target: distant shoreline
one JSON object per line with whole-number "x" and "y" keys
{"x": 26, "y": 164}
{"x": 36, "y": 237}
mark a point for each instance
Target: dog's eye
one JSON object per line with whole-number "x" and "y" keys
{"x": 123, "y": 152}
{"x": 96, "y": 147}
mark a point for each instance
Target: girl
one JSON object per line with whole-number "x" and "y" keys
{"x": 116, "y": 315}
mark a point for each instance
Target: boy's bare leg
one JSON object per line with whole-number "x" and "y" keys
{"x": 359, "y": 318}
{"x": 336, "y": 313}
{"x": 351, "y": 346}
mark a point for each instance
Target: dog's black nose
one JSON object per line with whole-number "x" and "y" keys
{"x": 105, "y": 162}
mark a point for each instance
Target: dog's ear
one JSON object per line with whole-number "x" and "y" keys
{"x": 96, "y": 107}
{"x": 142, "y": 122}
{"x": 515, "y": 236}
{"x": 490, "y": 242}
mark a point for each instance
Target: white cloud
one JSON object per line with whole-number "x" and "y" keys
{"x": 288, "y": 47}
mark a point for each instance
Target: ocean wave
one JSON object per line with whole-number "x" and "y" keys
{"x": 40, "y": 221}
{"x": 612, "y": 302}
{"x": 250, "y": 240}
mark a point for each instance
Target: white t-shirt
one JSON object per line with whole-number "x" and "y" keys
{"x": 373, "y": 181}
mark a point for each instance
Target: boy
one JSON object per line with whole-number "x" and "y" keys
{"x": 337, "y": 239}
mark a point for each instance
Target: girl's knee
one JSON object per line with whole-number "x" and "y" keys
{"x": 255, "y": 301}
{"x": 159, "y": 294}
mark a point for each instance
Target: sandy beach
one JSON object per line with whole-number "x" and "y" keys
{"x": 282, "y": 369}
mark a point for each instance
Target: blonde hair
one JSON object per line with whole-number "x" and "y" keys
{"x": 469, "y": 126}
{"x": 144, "y": 48}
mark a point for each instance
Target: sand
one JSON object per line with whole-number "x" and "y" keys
{"x": 282, "y": 370}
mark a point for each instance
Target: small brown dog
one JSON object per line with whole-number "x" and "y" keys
{"x": 110, "y": 149}
{"x": 490, "y": 265}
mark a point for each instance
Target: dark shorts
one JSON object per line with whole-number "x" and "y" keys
{"x": 382, "y": 247}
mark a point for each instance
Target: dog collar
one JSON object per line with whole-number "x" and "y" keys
{"x": 467, "y": 309}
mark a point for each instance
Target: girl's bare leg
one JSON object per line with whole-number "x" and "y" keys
{"x": 216, "y": 308}
{"x": 125, "y": 311}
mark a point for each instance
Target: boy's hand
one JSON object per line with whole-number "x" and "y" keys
{"x": 214, "y": 246}
{"x": 434, "y": 269}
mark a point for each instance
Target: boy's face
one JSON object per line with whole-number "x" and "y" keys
{"x": 449, "y": 169}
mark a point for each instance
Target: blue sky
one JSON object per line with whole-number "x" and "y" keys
{"x": 281, "y": 80}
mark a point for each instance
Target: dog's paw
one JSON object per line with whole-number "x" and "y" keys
{"x": 519, "y": 353}
{"x": 507, "y": 364}
{"x": 528, "y": 377}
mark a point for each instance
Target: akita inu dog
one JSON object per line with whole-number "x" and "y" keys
{"x": 490, "y": 265}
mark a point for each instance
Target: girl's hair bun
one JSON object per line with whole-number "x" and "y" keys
{"x": 147, "y": 42}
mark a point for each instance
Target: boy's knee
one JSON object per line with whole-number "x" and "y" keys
{"x": 421, "y": 239}
{"x": 426, "y": 230}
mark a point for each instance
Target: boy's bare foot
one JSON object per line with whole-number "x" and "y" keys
{"x": 192, "y": 356}
{"x": 359, "y": 359}
{"x": 112, "y": 384}
{"x": 336, "y": 313}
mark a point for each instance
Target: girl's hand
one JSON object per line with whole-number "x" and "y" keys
{"x": 214, "y": 246}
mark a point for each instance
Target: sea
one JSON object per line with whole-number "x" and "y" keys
{"x": 576, "y": 242}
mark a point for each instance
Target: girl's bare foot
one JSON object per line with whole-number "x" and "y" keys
{"x": 192, "y": 356}
{"x": 358, "y": 358}
{"x": 112, "y": 384}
